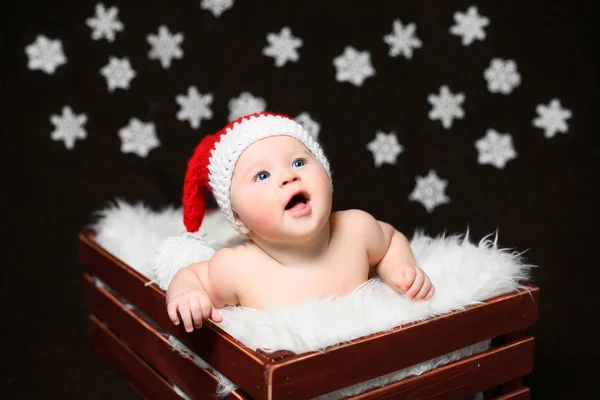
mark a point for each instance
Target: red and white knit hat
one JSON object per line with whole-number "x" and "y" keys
{"x": 212, "y": 164}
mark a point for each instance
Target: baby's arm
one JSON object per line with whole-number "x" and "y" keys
{"x": 389, "y": 251}
{"x": 199, "y": 289}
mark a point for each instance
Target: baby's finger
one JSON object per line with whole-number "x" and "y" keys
{"x": 172, "y": 311}
{"x": 417, "y": 284}
{"x": 186, "y": 316}
{"x": 409, "y": 274}
{"x": 196, "y": 311}
{"x": 431, "y": 292}
{"x": 215, "y": 315}
{"x": 424, "y": 290}
{"x": 206, "y": 305}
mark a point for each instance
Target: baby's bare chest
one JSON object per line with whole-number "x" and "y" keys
{"x": 338, "y": 275}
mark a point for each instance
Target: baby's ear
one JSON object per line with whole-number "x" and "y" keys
{"x": 240, "y": 225}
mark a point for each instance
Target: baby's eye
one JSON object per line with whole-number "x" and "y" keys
{"x": 298, "y": 163}
{"x": 261, "y": 176}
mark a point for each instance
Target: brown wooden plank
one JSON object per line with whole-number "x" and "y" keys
{"x": 240, "y": 364}
{"x": 147, "y": 382}
{"x": 150, "y": 344}
{"x": 311, "y": 374}
{"x": 521, "y": 394}
{"x": 464, "y": 377}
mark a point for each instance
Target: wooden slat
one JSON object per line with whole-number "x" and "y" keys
{"x": 464, "y": 377}
{"x": 241, "y": 365}
{"x": 143, "y": 379}
{"x": 308, "y": 375}
{"x": 520, "y": 394}
{"x": 150, "y": 344}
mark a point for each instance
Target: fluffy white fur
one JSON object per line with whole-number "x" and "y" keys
{"x": 463, "y": 272}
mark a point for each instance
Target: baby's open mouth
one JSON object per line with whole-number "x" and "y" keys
{"x": 297, "y": 202}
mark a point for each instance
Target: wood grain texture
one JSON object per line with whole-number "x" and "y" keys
{"x": 151, "y": 345}
{"x": 147, "y": 382}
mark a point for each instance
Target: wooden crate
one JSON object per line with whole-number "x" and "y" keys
{"x": 145, "y": 356}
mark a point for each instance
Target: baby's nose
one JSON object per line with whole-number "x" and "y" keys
{"x": 288, "y": 177}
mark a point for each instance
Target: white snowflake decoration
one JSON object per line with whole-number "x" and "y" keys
{"x": 495, "y": 149}
{"x": 245, "y": 104}
{"x": 402, "y": 40}
{"x": 105, "y": 24}
{"x": 118, "y": 73}
{"x": 165, "y": 46}
{"x": 282, "y": 47}
{"x": 552, "y": 118}
{"x": 216, "y": 7}
{"x": 469, "y": 26}
{"x": 446, "y": 106}
{"x": 45, "y": 54}
{"x": 430, "y": 191}
{"x": 68, "y": 127}
{"x": 138, "y": 137}
{"x": 385, "y": 148}
{"x": 502, "y": 76}
{"x": 194, "y": 107}
{"x": 310, "y": 125}
{"x": 353, "y": 66}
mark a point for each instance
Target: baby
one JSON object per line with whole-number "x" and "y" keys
{"x": 272, "y": 181}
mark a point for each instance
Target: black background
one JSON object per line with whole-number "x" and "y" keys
{"x": 545, "y": 201}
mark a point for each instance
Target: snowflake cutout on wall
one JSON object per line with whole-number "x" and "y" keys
{"x": 245, "y": 104}
{"x": 469, "y": 26}
{"x": 402, "y": 40}
{"x": 446, "y": 106}
{"x": 45, "y": 54}
{"x": 552, "y": 118}
{"x": 216, "y": 7}
{"x": 353, "y": 66}
{"x": 105, "y": 24}
{"x": 430, "y": 191}
{"x": 282, "y": 47}
{"x": 385, "y": 148}
{"x": 118, "y": 73}
{"x": 502, "y": 76}
{"x": 165, "y": 46}
{"x": 310, "y": 125}
{"x": 68, "y": 127}
{"x": 495, "y": 149}
{"x": 138, "y": 137}
{"x": 194, "y": 107}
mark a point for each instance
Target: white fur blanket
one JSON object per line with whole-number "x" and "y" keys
{"x": 464, "y": 273}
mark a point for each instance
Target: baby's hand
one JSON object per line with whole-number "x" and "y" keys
{"x": 194, "y": 306}
{"x": 413, "y": 282}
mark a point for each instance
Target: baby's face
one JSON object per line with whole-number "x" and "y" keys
{"x": 280, "y": 191}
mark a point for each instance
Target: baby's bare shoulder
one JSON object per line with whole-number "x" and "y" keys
{"x": 234, "y": 259}
{"x": 354, "y": 219}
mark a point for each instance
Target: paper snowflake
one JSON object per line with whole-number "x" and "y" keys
{"x": 385, "y": 148}
{"x": 245, "y": 104}
{"x": 138, "y": 137}
{"x": 495, "y": 149}
{"x": 45, "y": 54}
{"x": 282, "y": 47}
{"x": 552, "y": 118}
{"x": 105, "y": 24}
{"x": 310, "y": 125}
{"x": 118, "y": 73}
{"x": 430, "y": 191}
{"x": 402, "y": 40}
{"x": 502, "y": 76}
{"x": 469, "y": 26}
{"x": 216, "y": 7}
{"x": 194, "y": 107}
{"x": 446, "y": 106}
{"x": 353, "y": 66}
{"x": 68, "y": 127}
{"x": 165, "y": 46}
